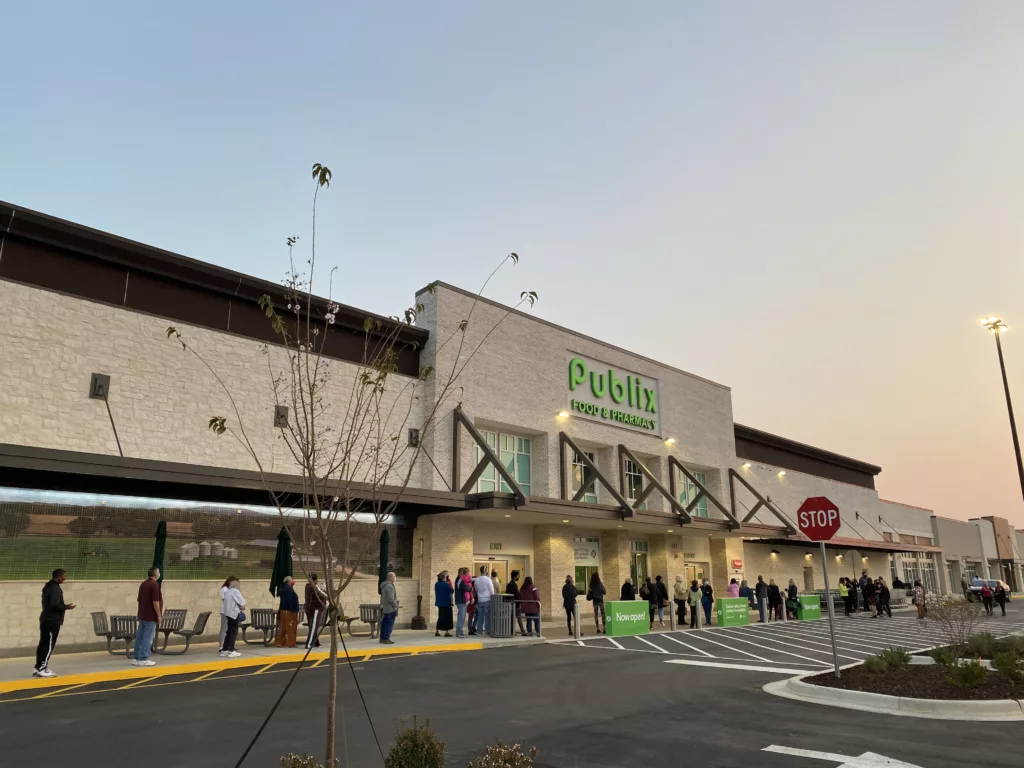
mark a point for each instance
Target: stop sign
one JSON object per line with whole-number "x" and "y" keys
{"x": 818, "y": 518}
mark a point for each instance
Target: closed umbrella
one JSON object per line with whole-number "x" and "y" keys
{"x": 282, "y": 561}
{"x": 382, "y": 574}
{"x": 158, "y": 550}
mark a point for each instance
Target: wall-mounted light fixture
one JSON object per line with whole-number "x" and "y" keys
{"x": 782, "y": 473}
{"x": 807, "y": 555}
{"x": 775, "y": 553}
{"x": 563, "y": 414}
{"x": 671, "y": 441}
{"x": 746, "y": 465}
{"x": 565, "y": 521}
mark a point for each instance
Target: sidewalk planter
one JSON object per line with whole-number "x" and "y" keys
{"x": 626, "y": 617}
{"x": 732, "y": 611}
{"x": 810, "y": 607}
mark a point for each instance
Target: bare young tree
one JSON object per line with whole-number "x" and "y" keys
{"x": 958, "y": 619}
{"x": 345, "y": 436}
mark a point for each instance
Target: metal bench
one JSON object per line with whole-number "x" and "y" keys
{"x": 264, "y": 620}
{"x": 188, "y": 634}
{"x": 172, "y": 620}
{"x": 369, "y": 613}
{"x": 123, "y": 628}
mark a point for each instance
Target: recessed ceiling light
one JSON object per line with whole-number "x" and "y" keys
{"x": 508, "y": 515}
{"x": 670, "y": 530}
{"x": 565, "y": 521}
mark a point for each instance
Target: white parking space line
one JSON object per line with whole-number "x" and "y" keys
{"x": 804, "y": 638}
{"x": 766, "y": 639}
{"x": 698, "y": 650}
{"x": 817, "y": 662}
{"x": 747, "y": 667}
{"x": 703, "y": 636}
{"x": 657, "y": 647}
{"x": 615, "y": 643}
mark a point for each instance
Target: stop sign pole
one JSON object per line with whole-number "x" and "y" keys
{"x": 818, "y": 520}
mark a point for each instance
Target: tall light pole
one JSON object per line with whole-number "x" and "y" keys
{"x": 997, "y": 328}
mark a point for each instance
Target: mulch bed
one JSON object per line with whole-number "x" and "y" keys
{"x": 918, "y": 682}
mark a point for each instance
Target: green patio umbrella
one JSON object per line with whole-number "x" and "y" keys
{"x": 158, "y": 550}
{"x": 282, "y": 561}
{"x": 382, "y": 574}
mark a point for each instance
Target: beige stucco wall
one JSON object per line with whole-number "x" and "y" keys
{"x": 20, "y": 605}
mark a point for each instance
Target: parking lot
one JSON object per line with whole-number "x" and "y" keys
{"x": 792, "y": 647}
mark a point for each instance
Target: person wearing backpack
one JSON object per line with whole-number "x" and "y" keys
{"x": 649, "y": 593}
{"x": 693, "y": 597}
{"x": 1001, "y": 597}
{"x": 569, "y": 595}
{"x": 986, "y": 597}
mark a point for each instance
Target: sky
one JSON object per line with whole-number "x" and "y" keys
{"x": 810, "y": 203}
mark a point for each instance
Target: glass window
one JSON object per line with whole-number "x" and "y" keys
{"x": 581, "y": 473}
{"x": 634, "y": 483}
{"x": 689, "y": 492}
{"x": 928, "y": 576}
{"x": 892, "y": 569}
{"x": 514, "y": 454}
{"x": 970, "y": 571}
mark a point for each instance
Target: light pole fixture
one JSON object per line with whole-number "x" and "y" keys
{"x": 997, "y": 328}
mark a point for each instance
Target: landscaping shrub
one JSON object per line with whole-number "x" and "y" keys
{"x": 957, "y": 619}
{"x": 292, "y": 760}
{"x": 981, "y": 644}
{"x": 895, "y": 657}
{"x": 501, "y": 755}
{"x": 876, "y": 665}
{"x": 944, "y": 656}
{"x": 416, "y": 746}
{"x": 1010, "y": 665}
{"x": 970, "y": 674}
{"x": 1011, "y": 643}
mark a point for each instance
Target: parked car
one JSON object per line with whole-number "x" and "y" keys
{"x": 974, "y": 591}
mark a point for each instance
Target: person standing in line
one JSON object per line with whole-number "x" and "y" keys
{"x": 871, "y": 598}
{"x": 531, "y": 606}
{"x": 512, "y": 588}
{"x": 467, "y": 579}
{"x": 569, "y": 595}
{"x": 443, "y": 592}
{"x": 462, "y": 598}
{"x": 649, "y": 593}
{"x": 748, "y": 593}
{"x": 474, "y": 610}
{"x": 792, "y": 605}
{"x": 694, "y": 597}
{"x": 986, "y": 597}
{"x": 662, "y": 591}
{"x": 733, "y": 590}
{"x": 151, "y": 608}
{"x": 963, "y": 586}
{"x": 679, "y": 596}
{"x": 707, "y": 599}
{"x": 596, "y": 594}
{"x": 316, "y": 607}
{"x": 1001, "y": 597}
{"x": 628, "y": 591}
{"x": 389, "y": 609}
{"x": 224, "y": 619}
{"x": 884, "y": 607}
{"x": 287, "y": 615}
{"x": 496, "y": 582}
{"x": 844, "y": 595}
{"x": 51, "y": 620}
{"x": 484, "y": 592}
{"x": 233, "y": 606}
{"x": 761, "y": 593}
{"x": 863, "y": 582}
{"x": 919, "y": 598}
{"x": 775, "y": 606}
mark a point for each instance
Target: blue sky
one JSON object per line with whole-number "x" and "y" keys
{"x": 810, "y": 204}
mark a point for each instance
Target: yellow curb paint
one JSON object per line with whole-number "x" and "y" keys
{"x": 140, "y": 681}
{"x": 261, "y": 671}
{"x": 85, "y": 678}
{"x": 59, "y": 692}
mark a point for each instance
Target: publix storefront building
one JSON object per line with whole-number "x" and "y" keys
{"x": 616, "y": 463}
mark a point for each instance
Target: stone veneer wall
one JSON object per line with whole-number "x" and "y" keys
{"x": 20, "y": 605}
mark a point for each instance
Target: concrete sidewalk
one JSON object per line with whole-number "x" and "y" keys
{"x": 99, "y": 666}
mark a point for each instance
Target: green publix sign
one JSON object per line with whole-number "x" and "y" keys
{"x": 604, "y": 393}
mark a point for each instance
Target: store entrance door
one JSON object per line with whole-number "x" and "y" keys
{"x": 501, "y": 566}
{"x": 638, "y": 569}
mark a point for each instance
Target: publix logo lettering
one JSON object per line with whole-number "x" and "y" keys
{"x": 603, "y": 392}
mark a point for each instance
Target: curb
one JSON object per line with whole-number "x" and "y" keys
{"x": 216, "y": 665}
{"x": 998, "y": 710}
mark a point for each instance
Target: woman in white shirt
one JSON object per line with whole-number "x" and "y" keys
{"x": 231, "y": 607}
{"x": 224, "y": 619}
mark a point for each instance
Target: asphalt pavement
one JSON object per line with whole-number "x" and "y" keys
{"x": 580, "y": 706}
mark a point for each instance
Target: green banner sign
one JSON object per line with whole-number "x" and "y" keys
{"x": 627, "y": 617}
{"x": 732, "y": 611}
{"x": 810, "y": 607}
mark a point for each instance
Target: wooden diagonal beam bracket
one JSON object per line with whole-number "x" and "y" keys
{"x": 490, "y": 458}
{"x": 702, "y": 492}
{"x": 653, "y": 484}
{"x": 761, "y": 501}
{"x": 596, "y": 476}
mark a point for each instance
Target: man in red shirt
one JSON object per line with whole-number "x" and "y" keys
{"x": 151, "y": 608}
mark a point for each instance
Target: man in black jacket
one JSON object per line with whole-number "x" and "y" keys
{"x": 50, "y": 621}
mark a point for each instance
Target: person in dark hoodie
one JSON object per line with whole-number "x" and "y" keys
{"x": 50, "y": 621}
{"x": 628, "y": 591}
{"x": 512, "y": 588}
